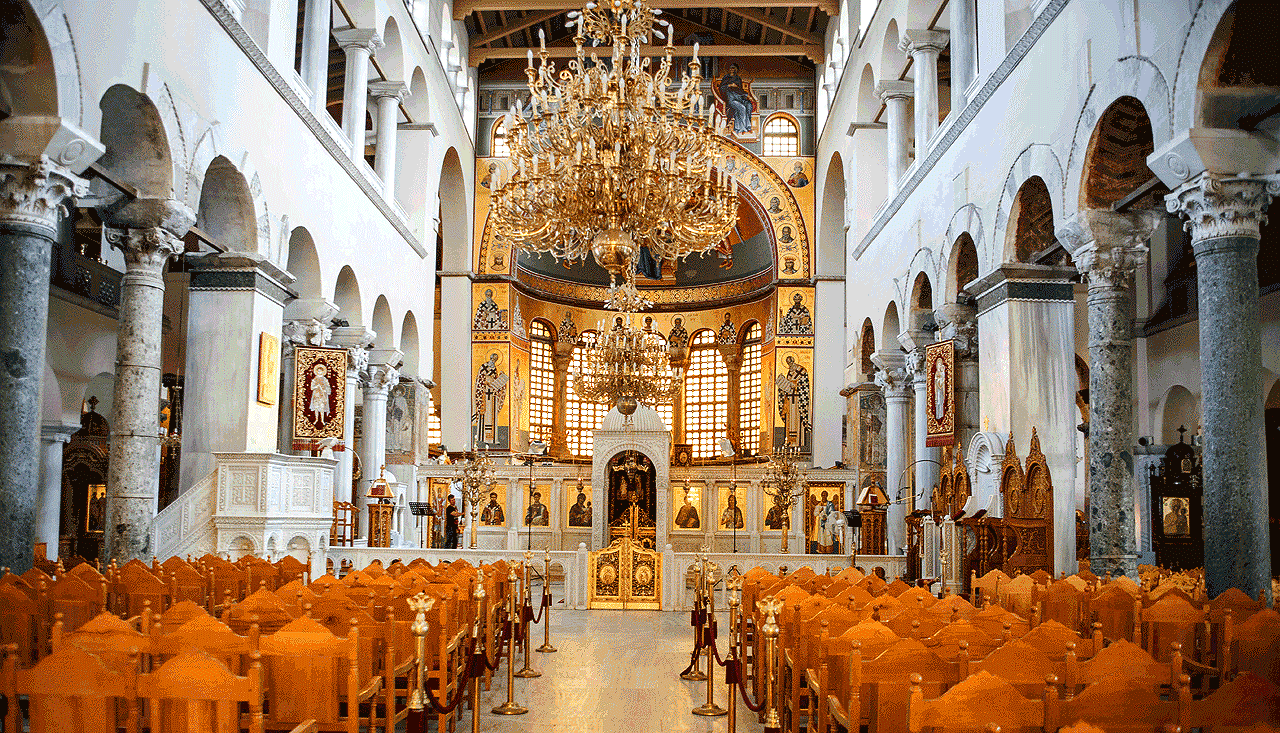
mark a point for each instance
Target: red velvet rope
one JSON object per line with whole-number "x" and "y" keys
{"x": 467, "y": 674}
{"x": 742, "y": 688}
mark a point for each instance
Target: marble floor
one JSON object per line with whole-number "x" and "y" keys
{"x": 615, "y": 671}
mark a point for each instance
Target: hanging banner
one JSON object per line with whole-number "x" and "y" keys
{"x": 319, "y": 396}
{"x": 940, "y": 393}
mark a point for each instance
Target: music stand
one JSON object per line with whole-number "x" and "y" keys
{"x": 420, "y": 509}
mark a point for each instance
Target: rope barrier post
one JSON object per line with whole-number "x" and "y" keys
{"x": 510, "y": 707}
{"x": 526, "y": 618}
{"x": 477, "y": 639}
{"x": 710, "y": 578}
{"x": 693, "y": 673}
{"x": 733, "y": 584}
{"x": 770, "y": 607}
{"x": 546, "y": 605}
{"x": 416, "y": 720}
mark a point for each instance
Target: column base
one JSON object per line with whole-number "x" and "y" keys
{"x": 1116, "y": 565}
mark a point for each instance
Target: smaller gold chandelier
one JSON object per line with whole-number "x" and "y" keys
{"x": 785, "y": 482}
{"x": 623, "y": 365}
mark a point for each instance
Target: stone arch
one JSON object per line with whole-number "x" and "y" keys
{"x": 409, "y": 345}
{"x": 986, "y": 452}
{"x": 1115, "y": 163}
{"x": 1036, "y": 160}
{"x": 962, "y": 268}
{"x": 137, "y": 143}
{"x": 40, "y": 74}
{"x": 304, "y": 264}
{"x": 966, "y": 220}
{"x": 921, "y": 302}
{"x": 240, "y": 546}
{"x": 867, "y": 347}
{"x": 831, "y": 221}
{"x": 868, "y": 147}
{"x": 891, "y": 59}
{"x": 1030, "y": 229}
{"x": 51, "y": 396}
{"x": 346, "y": 295}
{"x": 1201, "y": 60}
{"x": 1178, "y": 408}
{"x": 299, "y": 548}
{"x": 453, "y": 208}
{"x": 383, "y": 325}
{"x": 391, "y": 55}
{"x": 226, "y": 211}
{"x": 890, "y": 329}
{"x": 413, "y": 153}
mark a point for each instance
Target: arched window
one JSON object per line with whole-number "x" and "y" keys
{"x": 749, "y": 393}
{"x": 498, "y": 144}
{"x": 781, "y": 136}
{"x": 542, "y": 383}
{"x": 582, "y": 418}
{"x": 706, "y": 396}
{"x": 665, "y": 409}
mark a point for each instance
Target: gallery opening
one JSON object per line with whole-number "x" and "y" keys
{"x": 819, "y": 366}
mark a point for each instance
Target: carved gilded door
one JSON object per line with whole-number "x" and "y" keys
{"x": 625, "y": 575}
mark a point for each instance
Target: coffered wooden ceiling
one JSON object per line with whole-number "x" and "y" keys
{"x": 504, "y": 29}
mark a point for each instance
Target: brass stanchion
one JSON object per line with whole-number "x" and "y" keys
{"x": 770, "y": 607}
{"x": 546, "y": 610}
{"x": 416, "y": 720}
{"x": 477, "y": 639}
{"x": 510, "y": 707}
{"x": 710, "y": 579}
{"x": 695, "y": 674}
{"x": 733, "y": 584}
{"x": 527, "y": 670}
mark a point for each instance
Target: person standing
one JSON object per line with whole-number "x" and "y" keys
{"x": 451, "y": 515}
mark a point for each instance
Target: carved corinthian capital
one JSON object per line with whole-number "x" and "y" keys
{"x": 381, "y": 377}
{"x": 1219, "y": 206}
{"x": 895, "y": 382}
{"x": 1108, "y": 247}
{"x": 34, "y": 194}
{"x": 145, "y": 250}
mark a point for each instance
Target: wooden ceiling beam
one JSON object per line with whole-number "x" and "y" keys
{"x": 517, "y": 26}
{"x": 461, "y": 8}
{"x": 812, "y": 52}
{"x": 763, "y": 18}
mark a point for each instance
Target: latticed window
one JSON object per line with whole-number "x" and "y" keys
{"x": 499, "y": 146}
{"x": 706, "y": 396}
{"x": 749, "y": 393}
{"x": 542, "y": 383}
{"x": 434, "y": 432}
{"x": 781, "y": 137}
{"x": 582, "y": 418}
{"x": 664, "y": 409}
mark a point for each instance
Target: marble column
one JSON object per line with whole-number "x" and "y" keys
{"x": 924, "y": 47}
{"x": 959, "y": 322}
{"x": 895, "y": 380}
{"x": 679, "y": 357}
{"x": 31, "y": 210}
{"x": 359, "y": 43}
{"x": 318, "y": 22}
{"x": 356, "y": 340}
{"x": 828, "y": 366}
{"x": 380, "y": 377}
{"x": 1108, "y": 248}
{"x": 306, "y": 323}
{"x": 928, "y": 461}
{"x": 1026, "y": 330}
{"x": 387, "y": 95}
{"x": 561, "y": 355}
{"x": 49, "y": 499}
{"x": 732, "y": 356}
{"x": 1224, "y": 215}
{"x": 897, "y": 96}
{"x": 148, "y": 232}
{"x": 961, "y": 40}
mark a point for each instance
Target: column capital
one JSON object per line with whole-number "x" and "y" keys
{"x": 363, "y": 38}
{"x": 389, "y": 89}
{"x": 896, "y": 383}
{"x": 914, "y": 339}
{"x": 33, "y": 194}
{"x": 356, "y": 340}
{"x": 1108, "y": 246}
{"x": 915, "y": 365}
{"x": 1217, "y": 206}
{"x": 379, "y": 378}
{"x": 888, "y": 89}
{"x": 145, "y": 250}
{"x": 921, "y": 40}
{"x": 306, "y": 332}
{"x": 959, "y": 323}
{"x": 57, "y": 433}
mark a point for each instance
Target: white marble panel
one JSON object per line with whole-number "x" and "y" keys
{"x": 828, "y": 360}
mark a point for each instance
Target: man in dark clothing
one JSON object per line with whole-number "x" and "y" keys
{"x": 451, "y": 515}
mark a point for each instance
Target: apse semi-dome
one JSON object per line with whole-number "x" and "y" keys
{"x": 644, "y": 419}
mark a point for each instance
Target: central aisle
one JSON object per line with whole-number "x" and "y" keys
{"x": 615, "y": 672}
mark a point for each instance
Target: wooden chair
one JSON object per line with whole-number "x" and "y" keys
{"x": 113, "y": 640}
{"x": 178, "y": 614}
{"x": 1173, "y": 619}
{"x": 208, "y": 636}
{"x": 1015, "y": 595}
{"x": 976, "y": 704}
{"x": 1245, "y": 701}
{"x": 959, "y": 636}
{"x": 19, "y": 623}
{"x": 878, "y": 686}
{"x": 1121, "y": 660}
{"x": 195, "y": 693}
{"x": 132, "y": 585}
{"x": 986, "y": 588}
{"x": 263, "y": 608}
{"x": 1052, "y": 639}
{"x": 70, "y": 691}
{"x": 1117, "y": 609}
{"x": 1021, "y": 665}
{"x": 305, "y": 650}
{"x": 994, "y": 620}
{"x": 1122, "y": 704}
{"x": 1060, "y": 601}
{"x": 1257, "y": 645}
{"x": 72, "y": 601}
{"x": 187, "y": 584}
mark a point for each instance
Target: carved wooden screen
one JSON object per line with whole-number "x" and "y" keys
{"x": 960, "y": 487}
{"x": 940, "y": 501}
{"x": 1028, "y": 510}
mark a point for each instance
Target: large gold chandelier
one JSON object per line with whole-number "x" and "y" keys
{"x": 613, "y": 156}
{"x": 625, "y": 365}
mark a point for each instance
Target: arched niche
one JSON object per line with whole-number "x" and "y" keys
{"x": 346, "y": 295}
{"x": 226, "y": 211}
{"x": 304, "y": 264}
{"x": 136, "y": 141}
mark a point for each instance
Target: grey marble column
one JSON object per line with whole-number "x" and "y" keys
{"x": 1224, "y": 216}
{"x": 49, "y": 500}
{"x": 924, "y": 47}
{"x": 928, "y": 461}
{"x": 148, "y": 232}
{"x": 959, "y": 322}
{"x": 895, "y": 380}
{"x": 896, "y": 95}
{"x": 31, "y": 208}
{"x": 1108, "y": 248}
{"x": 379, "y": 378}
{"x": 306, "y": 324}
{"x": 356, "y": 340}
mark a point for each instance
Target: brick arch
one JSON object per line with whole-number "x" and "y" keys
{"x": 1115, "y": 162}
{"x": 1036, "y": 160}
